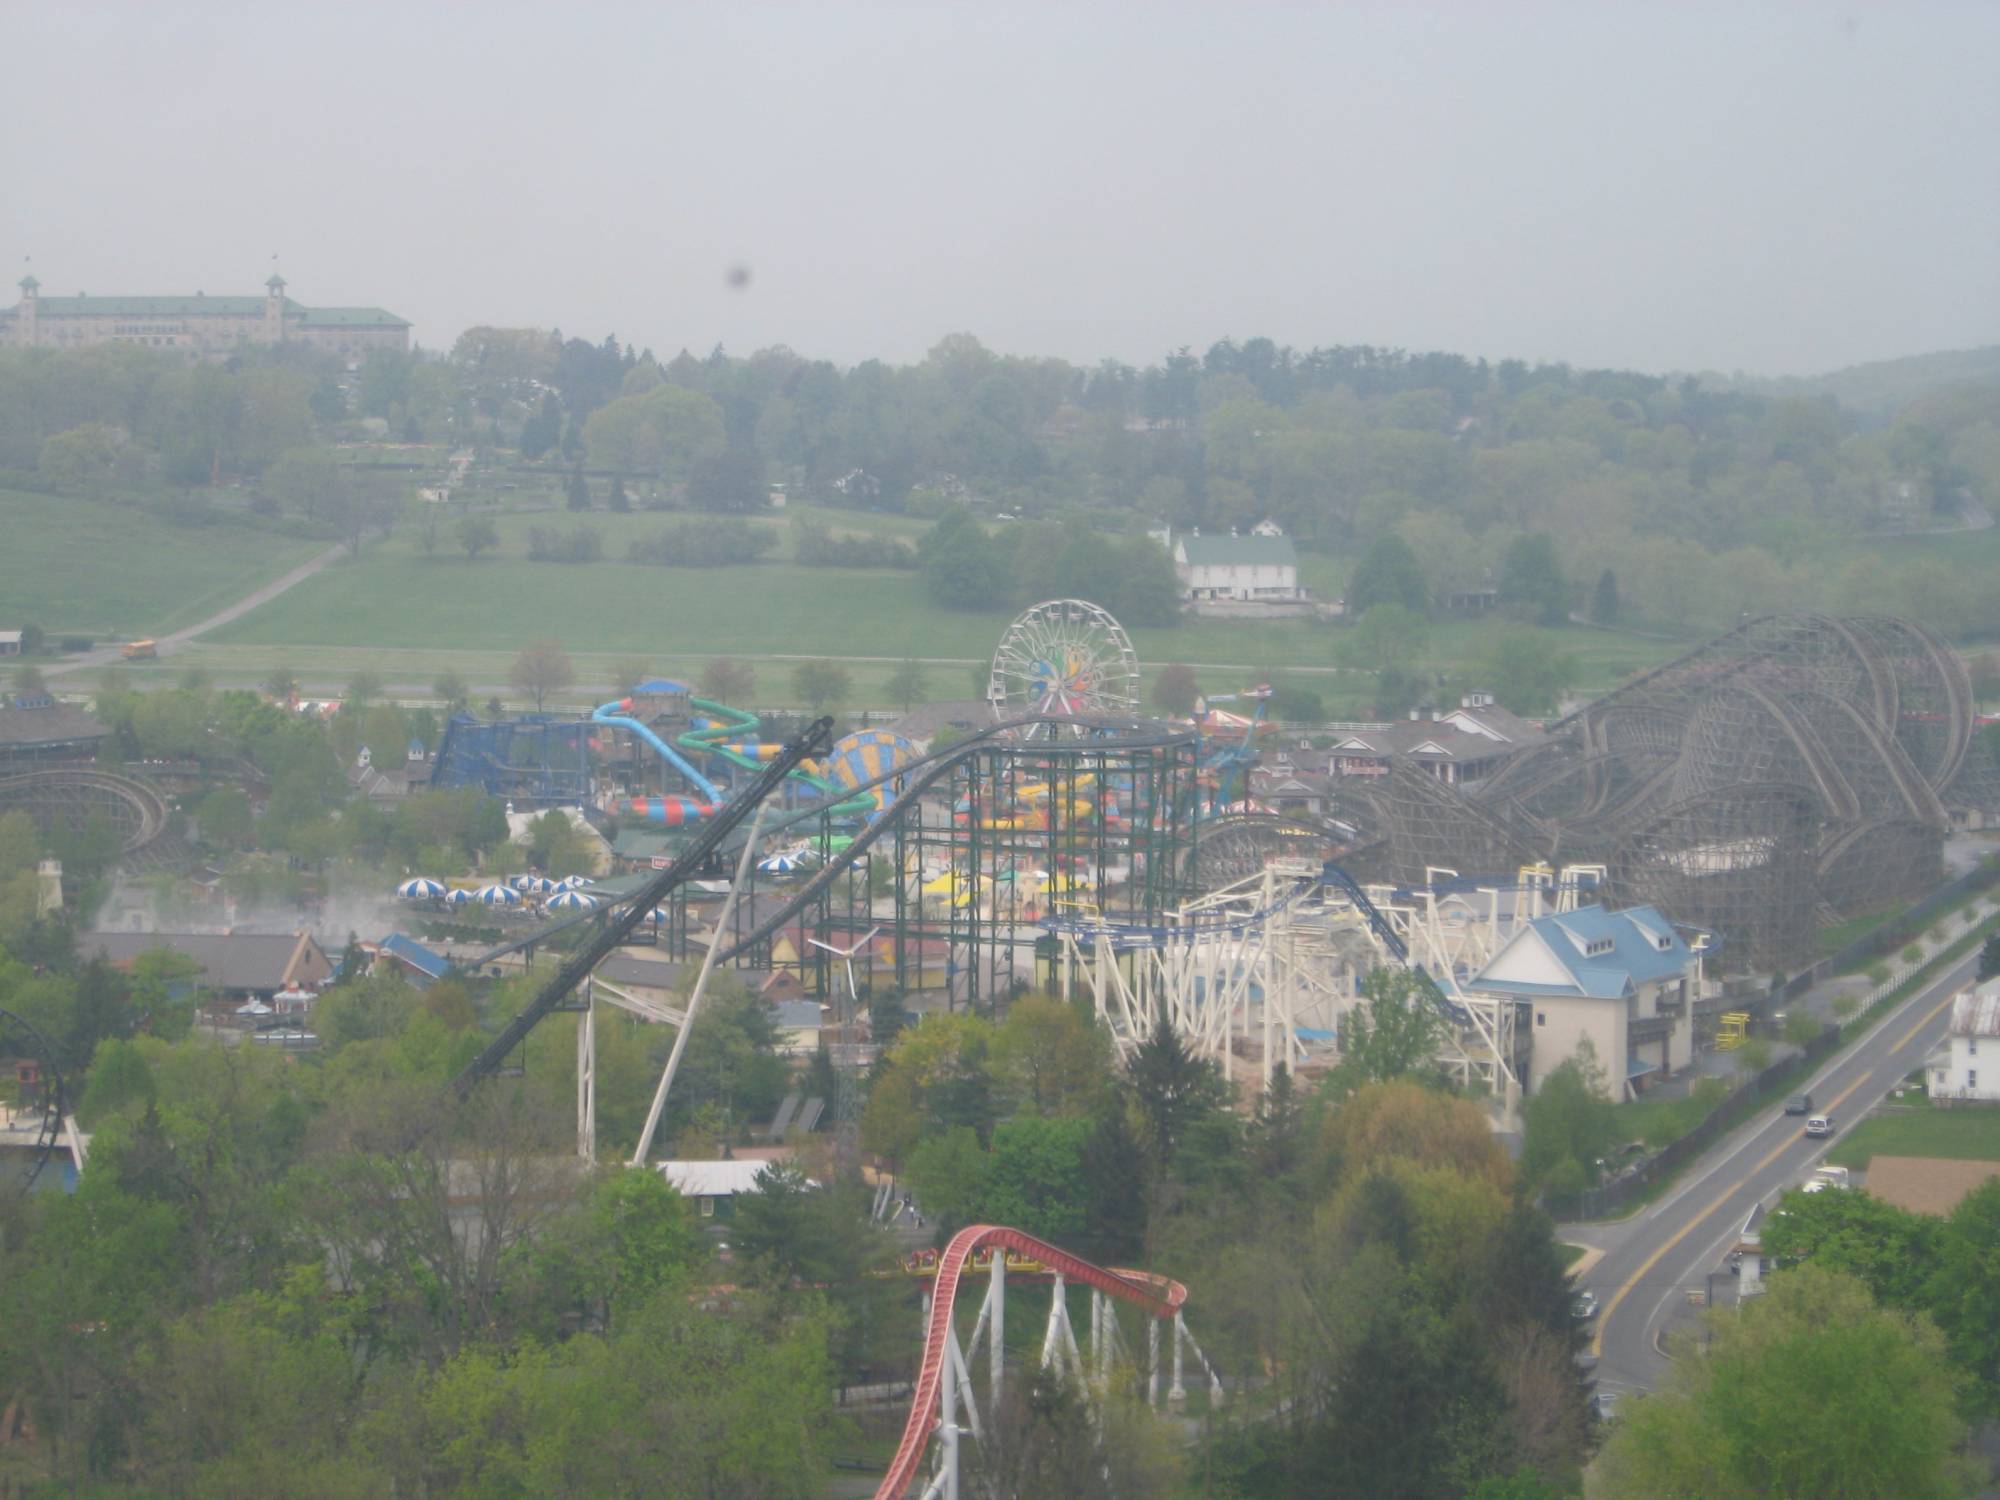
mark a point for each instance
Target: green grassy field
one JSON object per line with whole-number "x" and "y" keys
{"x": 474, "y": 615}
{"x": 88, "y": 567}
{"x": 1961, "y": 1134}
{"x": 619, "y": 529}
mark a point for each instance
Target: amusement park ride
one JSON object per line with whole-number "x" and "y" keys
{"x": 1067, "y": 844}
{"x": 945, "y": 1409}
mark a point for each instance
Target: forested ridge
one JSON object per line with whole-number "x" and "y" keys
{"x": 1703, "y": 501}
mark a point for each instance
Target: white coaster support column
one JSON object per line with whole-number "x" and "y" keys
{"x": 996, "y": 1352}
{"x": 586, "y": 1081}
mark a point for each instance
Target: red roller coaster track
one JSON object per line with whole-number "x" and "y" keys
{"x": 1157, "y": 1296}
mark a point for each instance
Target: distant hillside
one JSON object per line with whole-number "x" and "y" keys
{"x": 1880, "y": 386}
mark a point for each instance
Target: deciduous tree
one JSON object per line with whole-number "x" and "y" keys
{"x": 727, "y": 680}
{"x": 542, "y": 668}
{"x": 906, "y": 683}
{"x": 1388, "y": 573}
{"x": 477, "y": 534}
{"x": 1396, "y": 1030}
{"x": 1175, "y": 690}
{"x": 821, "y": 683}
{"x": 1729, "y": 1422}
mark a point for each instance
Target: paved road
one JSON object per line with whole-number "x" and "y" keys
{"x": 106, "y": 655}
{"x": 1652, "y": 1260}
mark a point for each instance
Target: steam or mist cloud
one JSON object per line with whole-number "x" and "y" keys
{"x": 1781, "y": 188}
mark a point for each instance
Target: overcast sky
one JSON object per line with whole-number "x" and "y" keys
{"x": 1773, "y": 188}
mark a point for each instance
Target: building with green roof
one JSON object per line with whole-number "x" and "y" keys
{"x": 197, "y": 326}
{"x": 1255, "y": 568}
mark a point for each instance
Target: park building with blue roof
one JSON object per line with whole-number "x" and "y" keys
{"x": 1624, "y": 981}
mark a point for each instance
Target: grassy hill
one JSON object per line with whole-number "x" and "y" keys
{"x": 89, "y": 567}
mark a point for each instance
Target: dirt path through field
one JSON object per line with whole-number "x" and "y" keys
{"x": 105, "y": 655}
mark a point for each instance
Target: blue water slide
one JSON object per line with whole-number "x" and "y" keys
{"x": 607, "y": 713}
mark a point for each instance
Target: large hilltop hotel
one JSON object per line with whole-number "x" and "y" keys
{"x": 200, "y": 326}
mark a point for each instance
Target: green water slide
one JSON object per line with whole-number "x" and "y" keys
{"x": 736, "y": 724}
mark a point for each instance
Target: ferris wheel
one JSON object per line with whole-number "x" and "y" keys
{"x": 1064, "y": 656}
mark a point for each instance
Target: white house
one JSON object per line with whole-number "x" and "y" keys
{"x": 1955, "y": 1068}
{"x": 1623, "y": 980}
{"x": 1248, "y": 568}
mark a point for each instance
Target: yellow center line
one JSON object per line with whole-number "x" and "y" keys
{"x": 1611, "y": 1306}
{"x": 1904, "y": 1040}
{"x": 1841, "y": 1097}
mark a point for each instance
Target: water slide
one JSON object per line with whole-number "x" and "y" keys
{"x": 617, "y": 713}
{"x": 734, "y": 738}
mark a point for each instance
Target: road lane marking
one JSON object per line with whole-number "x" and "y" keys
{"x": 1904, "y": 1041}
{"x": 1821, "y": 1079}
{"x": 1868, "y": 1069}
{"x": 1610, "y": 1307}
{"x": 1841, "y": 1097}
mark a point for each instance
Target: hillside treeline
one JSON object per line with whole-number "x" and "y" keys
{"x": 1705, "y": 502}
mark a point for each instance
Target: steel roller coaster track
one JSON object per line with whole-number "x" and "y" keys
{"x": 920, "y": 776}
{"x": 1155, "y": 1296}
{"x": 621, "y": 919}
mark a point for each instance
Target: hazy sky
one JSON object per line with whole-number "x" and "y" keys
{"x": 1775, "y": 188}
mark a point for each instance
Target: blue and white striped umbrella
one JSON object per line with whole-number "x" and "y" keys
{"x": 457, "y": 898}
{"x": 572, "y": 901}
{"x": 534, "y": 885}
{"x": 420, "y": 888}
{"x": 497, "y": 895}
{"x": 784, "y": 863}
{"x": 658, "y": 915}
{"x": 573, "y": 882}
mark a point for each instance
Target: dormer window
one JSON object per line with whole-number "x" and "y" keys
{"x": 1597, "y": 947}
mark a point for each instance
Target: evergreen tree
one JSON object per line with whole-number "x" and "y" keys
{"x": 1114, "y": 1183}
{"x": 618, "y": 500}
{"x": 1604, "y": 600}
{"x": 1176, "y": 1090}
{"x": 579, "y": 489}
{"x": 1532, "y": 580}
{"x": 543, "y": 430}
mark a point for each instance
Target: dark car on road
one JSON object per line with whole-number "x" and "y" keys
{"x": 1799, "y": 1104}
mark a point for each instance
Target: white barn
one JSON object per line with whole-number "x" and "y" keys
{"x": 1237, "y": 567}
